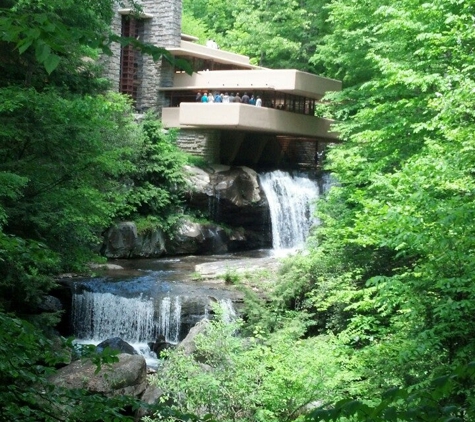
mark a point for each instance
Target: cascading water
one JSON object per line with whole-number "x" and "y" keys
{"x": 97, "y": 316}
{"x": 170, "y": 319}
{"x": 290, "y": 201}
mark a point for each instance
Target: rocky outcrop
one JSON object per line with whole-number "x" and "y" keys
{"x": 194, "y": 238}
{"x": 128, "y": 376}
{"x": 123, "y": 241}
{"x": 232, "y": 200}
{"x": 230, "y": 195}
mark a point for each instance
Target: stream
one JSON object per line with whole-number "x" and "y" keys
{"x": 152, "y": 300}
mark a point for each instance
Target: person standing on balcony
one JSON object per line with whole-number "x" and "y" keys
{"x": 226, "y": 98}
{"x": 204, "y": 98}
{"x": 218, "y": 98}
{"x": 245, "y": 98}
{"x": 237, "y": 98}
{"x": 210, "y": 97}
{"x": 211, "y": 44}
{"x": 258, "y": 102}
{"x": 252, "y": 100}
{"x": 231, "y": 97}
{"x": 198, "y": 97}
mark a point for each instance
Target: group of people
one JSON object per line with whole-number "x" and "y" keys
{"x": 218, "y": 97}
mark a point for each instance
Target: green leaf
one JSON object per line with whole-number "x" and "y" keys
{"x": 22, "y": 47}
{"x": 51, "y": 63}
{"x": 42, "y": 51}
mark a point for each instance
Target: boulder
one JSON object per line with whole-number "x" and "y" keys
{"x": 128, "y": 376}
{"x": 159, "y": 345}
{"x": 197, "y": 239}
{"x": 230, "y": 195}
{"x": 124, "y": 241}
{"x": 150, "y": 397}
{"x": 188, "y": 344}
{"x": 50, "y": 304}
{"x": 118, "y": 345}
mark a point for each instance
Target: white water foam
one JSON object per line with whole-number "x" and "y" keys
{"x": 291, "y": 200}
{"x": 100, "y": 316}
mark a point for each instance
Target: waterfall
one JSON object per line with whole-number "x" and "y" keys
{"x": 290, "y": 201}
{"x": 227, "y": 309}
{"x": 99, "y": 316}
{"x": 170, "y": 319}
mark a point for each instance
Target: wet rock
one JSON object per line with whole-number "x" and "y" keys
{"x": 196, "y": 238}
{"x": 118, "y": 345}
{"x": 233, "y": 196}
{"x": 107, "y": 267}
{"x": 218, "y": 269}
{"x": 229, "y": 197}
{"x": 50, "y": 304}
{"x": 160, "y": 345}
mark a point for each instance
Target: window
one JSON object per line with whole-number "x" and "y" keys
{"x": 129, "y": 58}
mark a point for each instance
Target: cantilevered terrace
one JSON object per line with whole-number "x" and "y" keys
{"x": 283, "y": 132}
{"x": 289, "y": 96}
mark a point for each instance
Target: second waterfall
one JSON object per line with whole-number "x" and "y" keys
{"x": 291, "y": 200}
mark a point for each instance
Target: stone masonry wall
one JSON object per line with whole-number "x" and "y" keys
{"x": 111, "y": 64}
{"x": 163, "y": 30}
{"x": 202, "y": 143}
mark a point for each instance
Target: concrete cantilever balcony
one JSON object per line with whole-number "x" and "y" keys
{"x": 289, "y": 81}
{"x": 246, "y": 117}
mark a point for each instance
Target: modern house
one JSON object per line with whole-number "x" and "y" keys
{"x": 284, "y": 131}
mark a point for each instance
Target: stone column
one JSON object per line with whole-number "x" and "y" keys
{"x": 162, "y": 30}
{"x": 111, "y": 64}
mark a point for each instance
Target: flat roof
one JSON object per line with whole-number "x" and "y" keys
{"x": 186, "y": 37}
{"x": 129, "y": 11}
{"x": 191, "y": 49}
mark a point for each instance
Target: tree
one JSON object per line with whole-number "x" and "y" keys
{"x": 62, "y": 30}
{"x": 157, "y": 181}
{"x": 67, "y": 145}
{"x": 273, "y": 34}
{"x": 391, "y": 267}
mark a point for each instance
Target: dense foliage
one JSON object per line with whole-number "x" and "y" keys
{"x": 255, "y": 378}
{"x": 72, "y": 162}
{"x": 157, "y": 183}
{"x": 275, "y": 34}
{"x": 379, "y": 311}
{"x": 390, "y": 271}
{"x": 27, "y": 358}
